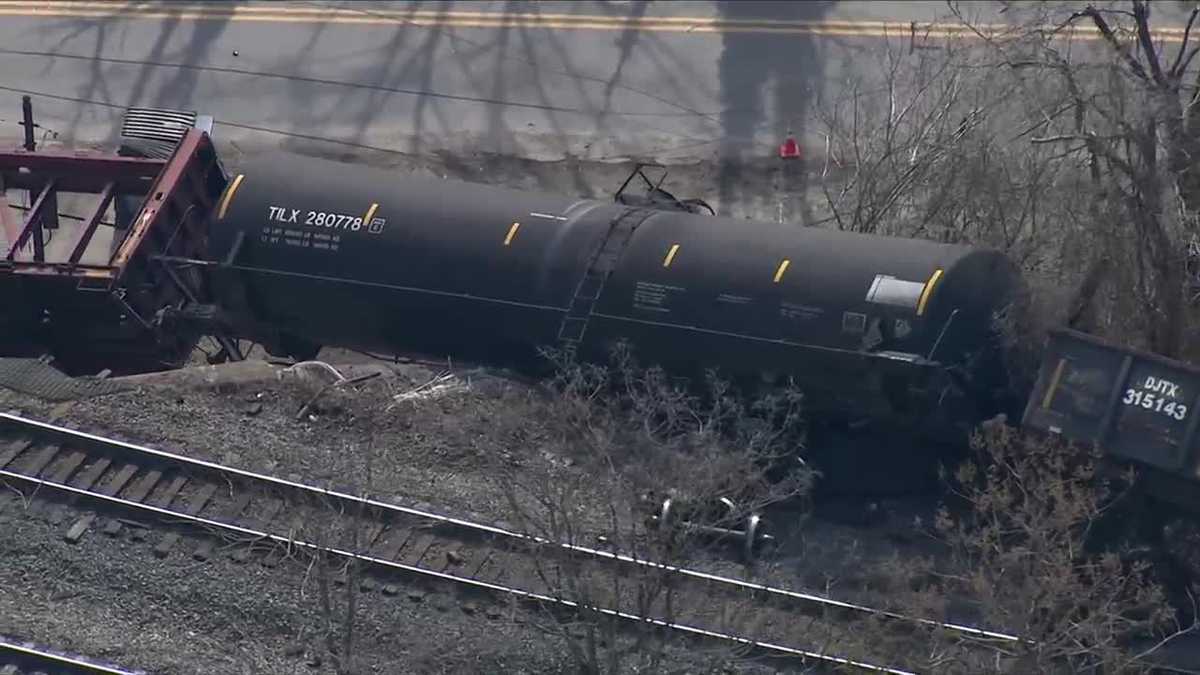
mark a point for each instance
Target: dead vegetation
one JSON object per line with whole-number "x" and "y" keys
{"x": 1019, "y": 557}
{"x": 1073, "y": 154}
{"x": 633, "y": 437}
{"x": 1068, "y": 138}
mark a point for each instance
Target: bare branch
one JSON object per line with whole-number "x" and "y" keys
{"x": 1059, "y": 139}
{"x": 1187, "y": 61}
{"x": 1180, "y": 64}
{"x": 1112, "y": 39}
{"x": 1141, "y": 12}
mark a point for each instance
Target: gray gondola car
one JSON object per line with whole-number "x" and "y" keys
{"x": 343, "y": 255}
{"x": 1138, "y": 408}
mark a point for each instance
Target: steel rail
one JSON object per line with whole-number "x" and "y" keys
{"x": 209, "y": 524}
{"x": 794, "y": 598}
{"x": 65, "y": 437}
{"x": 27, "y": 655}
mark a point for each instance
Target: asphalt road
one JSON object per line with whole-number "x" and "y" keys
{"x": 595, "y": 80}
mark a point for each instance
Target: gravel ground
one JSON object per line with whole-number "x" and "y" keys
{"x": 110, "y": 598}
{"x": 423, "y": 452}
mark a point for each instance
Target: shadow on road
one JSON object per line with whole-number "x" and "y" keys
{"x": 767, "y": 83}
{"x": 178, "y": 91}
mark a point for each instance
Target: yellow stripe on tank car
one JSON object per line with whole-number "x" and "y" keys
{"x": 512, "y": 232}
{"x": 1054, "y": 380}
{"x": 370, "y": 214}
{"x": 670, "y": 255}
{"x": 782, "y": 268}
{"x": 228, "y": 196}
{"x": 928, "y": 291}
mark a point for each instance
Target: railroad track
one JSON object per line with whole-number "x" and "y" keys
{"x": 131, "y": 484}
{"x": 26, "y": 658}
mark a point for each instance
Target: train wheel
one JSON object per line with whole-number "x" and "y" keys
{"x": 298, "y": 348}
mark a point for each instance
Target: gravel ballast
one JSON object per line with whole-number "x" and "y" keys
{"x": 111, "y": 598}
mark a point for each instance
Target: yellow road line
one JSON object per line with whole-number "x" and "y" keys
{"x": 275, "y": 13}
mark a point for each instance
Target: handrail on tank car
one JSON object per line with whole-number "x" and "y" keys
{"x": 655, "y": 195}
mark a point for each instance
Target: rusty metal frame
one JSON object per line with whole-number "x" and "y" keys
{"x": 89, "y": 229}
{"x": 78, "y": 172}
{"x": 119, "y": 296}
{"x": 155, "y": 209}
{"x": 32, "y": 226}
{"x": 108, "y": 176}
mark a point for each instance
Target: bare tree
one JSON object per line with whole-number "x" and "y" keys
{"x": 623, "y": 438}
{"x": 1076, "y": 163}
{"x": 1126, "y": 114}
{"x": 1019, "y": 555}
{"x": 934, "y": 143}
{"x": 326, "y": 523}
{"x": 921, "y": 146}
{"x": 1072, "y": 156}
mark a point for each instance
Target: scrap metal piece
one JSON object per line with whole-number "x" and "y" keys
{"x": 37, "y": 378}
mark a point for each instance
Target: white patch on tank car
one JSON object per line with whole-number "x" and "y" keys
{"x": 791, "y": 310}
{"x": 535, "y": 214}
{"x": 654, "y": 297}
{"x": 888, "y": 290}
{"x": 734, "y": 299}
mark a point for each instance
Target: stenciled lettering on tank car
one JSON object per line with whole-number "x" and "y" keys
{"x": 323, "y": 219}
{"x": 1157, "y": 394}
{"x": 376, "y": 226}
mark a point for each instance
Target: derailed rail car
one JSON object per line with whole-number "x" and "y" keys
{"x": 92, "y": 304}
{"x": 321, "y": 253}
{"x": 1136, "y": 407}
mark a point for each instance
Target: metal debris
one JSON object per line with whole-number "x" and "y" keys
{"x": 38, "y": 378}
{"x": 311, "y": 369}
{"x": 338, "y": 384}
{"x": 438, "y": 387}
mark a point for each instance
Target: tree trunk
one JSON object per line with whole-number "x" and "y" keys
{"x": 1081, "y": 314}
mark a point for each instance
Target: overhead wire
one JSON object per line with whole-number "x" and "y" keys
{"x": 223, "y": 122}
{"x": 685, "y": 110}
{"x": 263, "y": 129}
{"x": 341, "y": 83}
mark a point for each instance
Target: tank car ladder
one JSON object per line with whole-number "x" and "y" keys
{"x": 591, "y": 285}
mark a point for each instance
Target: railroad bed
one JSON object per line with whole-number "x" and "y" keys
{"x": 26, "y": 658}
{"x": 203, "y": 506}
